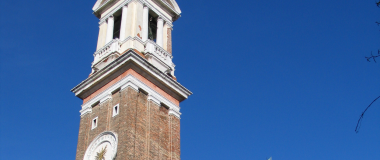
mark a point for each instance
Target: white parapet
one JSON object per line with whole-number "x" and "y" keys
{"x": 111, "y": 47}
{"x": 159, "y": 57}
{"x": 154, "y": 53}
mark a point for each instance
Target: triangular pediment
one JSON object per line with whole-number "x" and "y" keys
{"x": 170, "y": 3}
{"x": 99, "y": 3}
{"x": 173, "y": 4}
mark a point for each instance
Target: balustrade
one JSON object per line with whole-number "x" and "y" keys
{"x": 111, "y": 47}
{"x": 159, "y": 52}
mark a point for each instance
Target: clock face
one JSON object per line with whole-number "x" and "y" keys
{"x": 103, "y": 147}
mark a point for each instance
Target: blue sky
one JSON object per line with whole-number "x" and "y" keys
{"x": 286, "y": 79}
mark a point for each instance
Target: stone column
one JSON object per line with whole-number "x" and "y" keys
{"x": 160, "y": 26}
{"x": 123, "y": 22}
{"x": 145, "y": 23}
{"x": 110, "y": 23}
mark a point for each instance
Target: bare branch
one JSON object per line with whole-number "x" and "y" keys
{"x": 373, "y": 57}
{"x": 362, "y": 116}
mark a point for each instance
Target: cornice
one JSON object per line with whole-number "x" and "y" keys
{"x": 142, "y": 63}
{"x": 134, "y": 83}
{"x": 175, "y": 113}
{"x": 170, "y": 7}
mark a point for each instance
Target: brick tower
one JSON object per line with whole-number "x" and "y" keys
{"x": 131, "y": 99}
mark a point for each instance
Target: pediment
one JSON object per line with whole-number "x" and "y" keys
{"x": 171, "y": 3}
{"x": 98, "y": 4}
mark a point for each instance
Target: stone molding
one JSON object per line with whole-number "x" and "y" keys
{"x": 181, "y": 93}
{"x": 175, "y": 113}
{"x": 105, "y": 98}
{"x": 133, "y": 82}
{"x": 97, "y": 8}
{"x": 104, "y": 137}
{"x": 154, "y": 99}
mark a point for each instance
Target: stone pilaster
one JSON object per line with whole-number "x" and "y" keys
{"x": 145, "y": 23}
{"x": 160, "y": 26}
{"x": 110, "y": 25}
{"x": 123, "y": 22}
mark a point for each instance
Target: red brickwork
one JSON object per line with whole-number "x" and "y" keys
{"x": 145, "y": 129}
{"x": 82, "y": 136}
{"x": 175, "y": 138}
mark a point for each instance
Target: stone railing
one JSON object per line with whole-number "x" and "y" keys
{"x": 158, "y": 51}
{"x": 111, "y": 47}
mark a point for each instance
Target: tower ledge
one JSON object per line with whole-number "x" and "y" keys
{"x": 131, "y": 60}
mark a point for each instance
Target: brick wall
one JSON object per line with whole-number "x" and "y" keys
{"x": 145, "y": 129}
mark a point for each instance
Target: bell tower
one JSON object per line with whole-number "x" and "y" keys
{"x": 131, "y": 98}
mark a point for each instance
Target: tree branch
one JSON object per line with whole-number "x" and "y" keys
{"x": 362, "y": 116}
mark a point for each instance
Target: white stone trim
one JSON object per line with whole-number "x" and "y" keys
{"x": 97, "y": 6}
{"x": 94, "y": 124}
{"x": 141, "y": 63}
{"x": 104, "y": 137}
{"x": 85, "y": 111}
{"x": 114, "y": 112}
{"x": 108, "y": 49}
{"x": 131, "y": 85}
{"x": 105, "y": 98}
{"x": 133, "y": 82}
{"x": 176, "y": 9}
{"x": 175, "y": 113}
{"x": 153, "y": 99}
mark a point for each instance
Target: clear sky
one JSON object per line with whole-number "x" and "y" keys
{"x": 286, "y": 79}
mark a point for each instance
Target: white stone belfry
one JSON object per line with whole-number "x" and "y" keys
{"x": 137, "y": 20}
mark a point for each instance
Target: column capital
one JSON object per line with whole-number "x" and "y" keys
{"x": 145, "y": 23}
{"x": 160, "y": 19}
{"x": 110, "y": 17}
